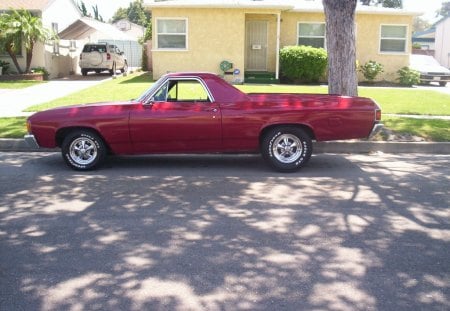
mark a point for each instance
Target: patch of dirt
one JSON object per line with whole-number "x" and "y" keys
{"x": 386, "y": 134}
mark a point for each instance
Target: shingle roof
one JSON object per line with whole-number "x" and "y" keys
{"x": 32, "y": 5}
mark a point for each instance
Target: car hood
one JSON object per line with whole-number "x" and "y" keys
{"x": 430, "y": 68}
{"x": 100, "y": 108}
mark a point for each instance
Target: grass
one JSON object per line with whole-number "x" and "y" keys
{"x": 431, "y": 130}
{"x": 20, "y": 84}
{"x": 13, "y": 127}
{"x": 392, "y": 100}
{"x": 120, "y": 89}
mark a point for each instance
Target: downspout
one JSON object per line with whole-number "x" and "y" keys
{"x": 277, "y": 52}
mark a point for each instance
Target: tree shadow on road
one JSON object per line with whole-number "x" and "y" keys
{"x": 224, "y": 233}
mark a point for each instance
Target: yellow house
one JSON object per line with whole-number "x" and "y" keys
{"x": 199, "y": 35}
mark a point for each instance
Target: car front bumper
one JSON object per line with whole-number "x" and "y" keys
{"x": 31, "y": 141}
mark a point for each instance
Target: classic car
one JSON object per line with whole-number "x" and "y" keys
{"x": 202, "y": 113}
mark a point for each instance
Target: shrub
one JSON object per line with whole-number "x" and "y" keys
{"x": 41, "y": 70}
{"x": 5, "y": 66}
{"x": 371, "y": 70}
{"x": 408, "y": 76}
{"x": 303, "y": 63}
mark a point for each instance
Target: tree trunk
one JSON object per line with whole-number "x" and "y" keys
{"x": 29, "y": 56}
{"x": 12, "y": 54}
{"x": 340, "y": 34}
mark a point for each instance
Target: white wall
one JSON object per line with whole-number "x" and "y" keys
{"x": 442, "y": 53}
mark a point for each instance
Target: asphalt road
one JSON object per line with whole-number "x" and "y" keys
{"x": 348, "y": 232}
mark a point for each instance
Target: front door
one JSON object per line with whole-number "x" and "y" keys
{"x": 181, "y": 118}
{"x": 256, "y": 46}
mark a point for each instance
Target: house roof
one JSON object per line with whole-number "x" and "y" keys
{"x": 32, "y": 5}
{"x": 85, "y": 26}
{"x": 223, "y": 4}
{"x": 291, "y": 5}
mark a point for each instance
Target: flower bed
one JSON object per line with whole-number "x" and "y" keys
{"x": 24, "y": 76}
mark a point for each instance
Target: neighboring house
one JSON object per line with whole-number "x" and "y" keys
{"x": 198, "y": 34}
{"x": 131, "y": 29}
{"x": 56, "y": 15}
{"x": 88, "y": 30}
{"x": 425, "y": 38}
{"x": 442, "y": 41}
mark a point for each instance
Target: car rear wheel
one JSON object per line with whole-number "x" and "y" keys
{"x": 125, "y": 67}
{"x": 113, "y": 70}
{"x": 83, "y": 150}
{"x": 442, "y": 83}
{"x": 286, "y": 148}
{"x": 84, "y": 72}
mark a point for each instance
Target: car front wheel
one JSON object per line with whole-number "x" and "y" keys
{"x": 83, "y": 150}
{"x": 286, "y": 148}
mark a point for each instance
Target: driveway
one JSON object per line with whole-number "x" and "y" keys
{"x": 347, "y": 232}
{"x": 13, "y": 102}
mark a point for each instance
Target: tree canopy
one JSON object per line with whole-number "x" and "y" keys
{"x": 135, "y": 13}
{"x": 445, "y": 9}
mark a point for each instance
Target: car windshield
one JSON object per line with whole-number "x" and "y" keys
{"x": 145, "y": 96}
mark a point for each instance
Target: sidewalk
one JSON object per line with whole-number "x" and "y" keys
{"x": 13, "y": 101}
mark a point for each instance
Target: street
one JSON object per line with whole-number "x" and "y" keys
{"x": 224, "y": 232}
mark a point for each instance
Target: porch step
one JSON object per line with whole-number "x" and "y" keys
{"x": 260, "y": 77}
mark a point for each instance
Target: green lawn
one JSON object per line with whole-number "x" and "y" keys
{"x": 21, "y": 84}
{"x": 392, "y": 100}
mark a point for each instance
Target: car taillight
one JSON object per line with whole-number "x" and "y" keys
{"x": 29, "y": 127}
{"x": 108, "y": 56}
{"x": 377, "y": 115}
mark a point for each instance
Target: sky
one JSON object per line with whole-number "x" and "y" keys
{"x": 107, "y": 8}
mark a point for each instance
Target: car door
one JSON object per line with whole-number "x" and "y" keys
{"x": 181, "y": 116}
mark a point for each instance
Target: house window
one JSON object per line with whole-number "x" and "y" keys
{"x": 311, "y": 34}
{"x": 393, "y": 38}
{"x": 171, "y": 33}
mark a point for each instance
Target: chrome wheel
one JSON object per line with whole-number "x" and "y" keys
{"x": 287, "y": 148}
{"x": 83, "y": 151}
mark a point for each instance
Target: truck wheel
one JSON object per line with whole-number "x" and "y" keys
{"x": 83, "y": 150}
{"x": 125, "y": 67}
{"x": 84, "y": 72}
{"x": 286, "y": 148}
{"x": 113, "y": 70}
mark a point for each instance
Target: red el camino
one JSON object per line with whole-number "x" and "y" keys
{"x": 201, "y": 113}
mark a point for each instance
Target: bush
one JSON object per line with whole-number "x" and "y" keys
{"x": 5, "y": 66}
{"x": 303, "y": 63}
{"x": 41, "y": 70}
{"x": 408, "y": 76}
{"x": 371, "y": 70}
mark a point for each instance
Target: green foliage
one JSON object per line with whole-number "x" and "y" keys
{"x": 408, "y": 76}
{"x": 135, "y": 13}
{"x": 371, "y": 70}
{"x": 384, "y": 3}
{"x": 22, "y": 26}
{"x": 5, "y": 66}
{"x": 416, "y": 46}
{"x": 41, "y": 70}
{"x": 303, "y": 63}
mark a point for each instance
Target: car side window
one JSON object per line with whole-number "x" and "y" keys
{"x": 187, "y": 91}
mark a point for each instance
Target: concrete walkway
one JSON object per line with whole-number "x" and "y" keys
{"x": 14, "y": 101}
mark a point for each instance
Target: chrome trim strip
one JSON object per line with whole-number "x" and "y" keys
{"x": 31, "y": 141}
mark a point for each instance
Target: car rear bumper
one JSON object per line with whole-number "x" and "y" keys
{"x": 31, "y": 141}
{"x": 376, "y": 129}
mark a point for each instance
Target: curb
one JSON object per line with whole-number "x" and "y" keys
{"x": 19, "y": 145}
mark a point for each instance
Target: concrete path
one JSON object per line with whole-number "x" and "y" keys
{"x": 13, "y": 102}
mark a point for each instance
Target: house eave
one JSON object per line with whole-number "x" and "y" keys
{"x": 238, "y": 4}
